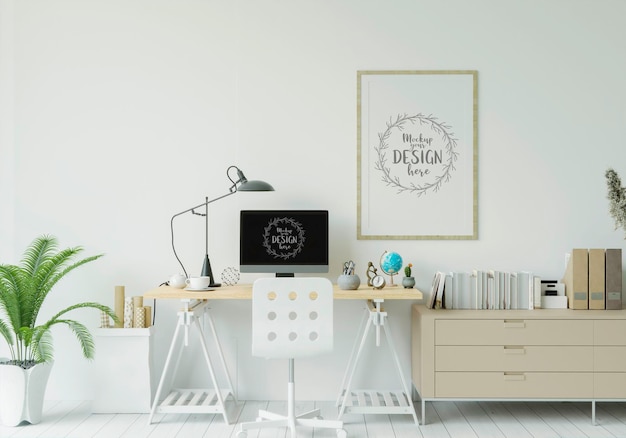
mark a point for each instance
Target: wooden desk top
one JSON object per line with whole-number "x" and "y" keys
{"x": 244, "y": 292}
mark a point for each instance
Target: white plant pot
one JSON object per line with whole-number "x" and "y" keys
{"x": 22, "y": 393}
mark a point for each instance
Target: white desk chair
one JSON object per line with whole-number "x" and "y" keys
{"x": 292, "y": 317}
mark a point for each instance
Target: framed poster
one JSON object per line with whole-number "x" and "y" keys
{"x": 417, "y": 155}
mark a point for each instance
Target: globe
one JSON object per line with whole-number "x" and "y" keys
{"x": 390, "y": 262}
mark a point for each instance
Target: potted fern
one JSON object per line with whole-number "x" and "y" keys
{"x": 23, "y": 290}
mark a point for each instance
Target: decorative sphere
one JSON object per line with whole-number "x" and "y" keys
{"x": 390, "y": 263}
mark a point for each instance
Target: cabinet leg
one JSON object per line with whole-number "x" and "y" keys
{"x": 593, "y": 412}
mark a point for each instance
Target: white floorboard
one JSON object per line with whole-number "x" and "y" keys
{"x": 504, "y": 420}
{"x": 445, "y": 419}
{"x": 455, "y": 423}
{"x": 479, "y": 420}
{"x": 562, "y": 425}
{"x": 612, "y": 417}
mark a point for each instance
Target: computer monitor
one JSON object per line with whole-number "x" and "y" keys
{"x": 283, "y": 242}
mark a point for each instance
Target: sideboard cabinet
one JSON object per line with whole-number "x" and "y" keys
{"x": 543, "y": 354}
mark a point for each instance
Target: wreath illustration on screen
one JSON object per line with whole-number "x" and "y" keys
{"x": 290, "y": 238}
{"x": 432, "y": 124}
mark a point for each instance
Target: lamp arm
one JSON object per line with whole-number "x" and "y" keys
{"x": 203, "y": 204}
{"x": 187, "y": 211}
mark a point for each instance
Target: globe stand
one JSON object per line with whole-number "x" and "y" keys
{"x": 391, "y": 283}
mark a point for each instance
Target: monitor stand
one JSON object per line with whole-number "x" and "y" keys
{"x": 284, "y": 274}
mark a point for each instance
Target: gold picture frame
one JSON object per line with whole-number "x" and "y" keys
{"x": 417, "y": 155}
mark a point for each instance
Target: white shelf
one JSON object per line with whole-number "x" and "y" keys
{"x": 126, "y": 332}
{"x": 193, "y": 401}
{"x": 369, "y": 401}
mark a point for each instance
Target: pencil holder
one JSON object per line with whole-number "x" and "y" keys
{"x": 348, "y": 282}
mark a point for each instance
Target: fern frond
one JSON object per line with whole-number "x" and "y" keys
{"x": 85, "y": 305}
{"x": 9, "y": 300}
{"x": 40, "y": 250}
{"x": 42, "y": 347}
{"x": 7, "y": 333}
{"x": 84, "y": 337}
{"x": 56, "y": 274}
{"x": 51, "y": 267}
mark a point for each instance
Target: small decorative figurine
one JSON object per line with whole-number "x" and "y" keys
{"x": 371, "y": 273}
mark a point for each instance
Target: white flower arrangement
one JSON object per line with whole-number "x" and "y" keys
{"x": 617, "y": 199}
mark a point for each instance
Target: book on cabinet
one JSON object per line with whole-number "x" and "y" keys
{"x": 486, "y": 289}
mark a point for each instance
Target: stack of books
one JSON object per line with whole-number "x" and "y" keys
{"x": 490, "y": 290}
{"x": 593, "y": 279}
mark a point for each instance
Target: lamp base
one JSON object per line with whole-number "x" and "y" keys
{"x": 208, "y": 272}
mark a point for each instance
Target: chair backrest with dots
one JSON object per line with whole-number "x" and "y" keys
{"x": 292, "y": 317}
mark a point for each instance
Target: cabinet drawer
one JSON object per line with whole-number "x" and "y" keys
{"x": 610, "y": 332}
{"x": 610, "y": 385}
{"x": 609, "y": 358}
{"x": 512, "y": 385}
{"x": 514, "y": 358}
{"x": 513, "y": 332}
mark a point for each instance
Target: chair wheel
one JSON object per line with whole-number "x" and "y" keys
{"x": 242, "y": 434}
{"x": 341, "y": 433}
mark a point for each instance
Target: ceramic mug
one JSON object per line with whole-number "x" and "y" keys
{"x": 198, "y": 282}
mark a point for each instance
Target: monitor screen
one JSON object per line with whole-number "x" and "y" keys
{"x": 283, "y": 242}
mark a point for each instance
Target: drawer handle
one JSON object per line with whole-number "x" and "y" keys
{"x": 514, "y": 350}
{"x": 514, "y": 323}
{"x": 514, "y": 377}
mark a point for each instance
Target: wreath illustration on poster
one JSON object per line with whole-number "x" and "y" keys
{"x": 417, "y": 155}
{"x": 425, "y": 148}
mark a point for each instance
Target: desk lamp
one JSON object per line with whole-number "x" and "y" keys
{"x": 241, "y": 184}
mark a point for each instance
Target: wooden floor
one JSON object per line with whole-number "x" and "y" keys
{"x": 444, "y": 419}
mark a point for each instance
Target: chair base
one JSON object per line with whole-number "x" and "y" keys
{"x": 308, "y": 419}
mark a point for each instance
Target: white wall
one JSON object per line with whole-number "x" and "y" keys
{"x": 118, "y": 114}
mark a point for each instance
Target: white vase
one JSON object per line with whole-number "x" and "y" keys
{"x": 22, "y": 393}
